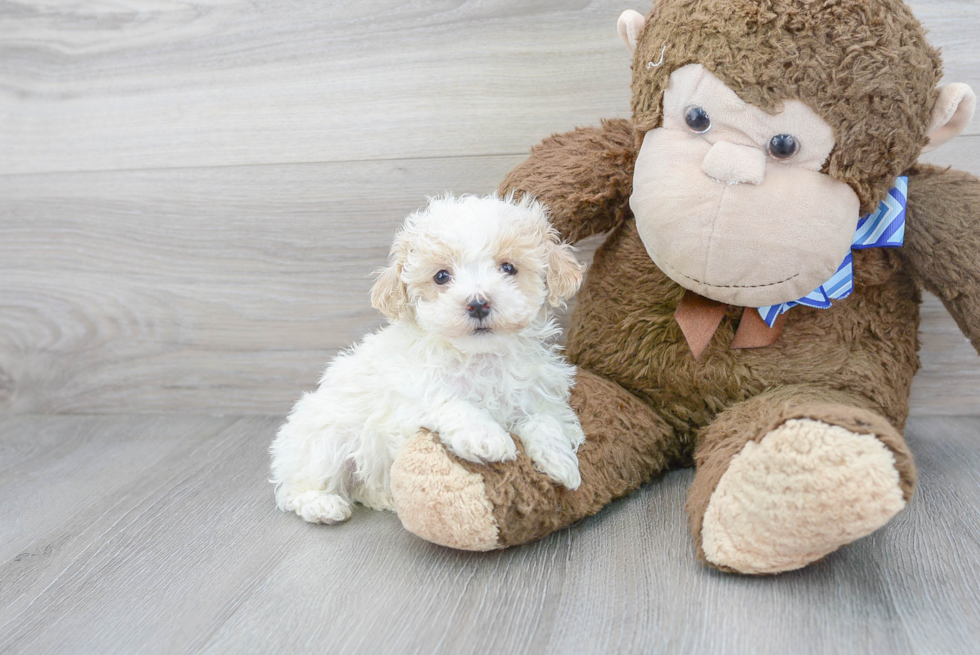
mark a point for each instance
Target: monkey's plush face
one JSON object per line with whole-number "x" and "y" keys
{"x": 730, "y": 201}
{"x": 769, "y": 128}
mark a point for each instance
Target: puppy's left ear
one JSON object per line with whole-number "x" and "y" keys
{"x": 389, "y": 294}
{"x": 564, "y": 273}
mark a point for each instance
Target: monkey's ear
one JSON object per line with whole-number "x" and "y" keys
{"x": 952, "y": 112}
{"x": 630, "y": 26}
{"x": 389, "y": 294}
{"x": 564, "y": 274}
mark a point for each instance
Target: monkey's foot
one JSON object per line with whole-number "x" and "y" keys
{"x": 800, "y": 493}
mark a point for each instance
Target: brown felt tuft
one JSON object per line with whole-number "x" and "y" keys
{"x": 754, "y": 333}
{"x": 698, "y": 318}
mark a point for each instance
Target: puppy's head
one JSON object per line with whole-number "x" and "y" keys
{"x": 469, "y": 268}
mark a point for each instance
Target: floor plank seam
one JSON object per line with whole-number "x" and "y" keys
{"x": 217, "y": 167}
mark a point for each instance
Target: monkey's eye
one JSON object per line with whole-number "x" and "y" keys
{"x": 508, "y": 268}
{"x": 697, "y": 119}
{"x": 442, "y": 277}
{"x": 783, "y": 146}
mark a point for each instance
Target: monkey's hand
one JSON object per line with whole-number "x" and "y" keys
{"x": 584, "y": 176}
{"x": 942, "y": 241}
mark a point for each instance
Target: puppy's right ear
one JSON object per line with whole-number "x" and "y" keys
{"x": 389, "y": 294}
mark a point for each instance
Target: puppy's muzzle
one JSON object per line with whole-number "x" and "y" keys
{"x": 478, "y": 308}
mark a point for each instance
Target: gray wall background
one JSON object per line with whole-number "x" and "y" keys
{"x": 193, "y": 195}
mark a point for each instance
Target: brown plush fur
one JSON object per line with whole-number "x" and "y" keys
{"x": 599, "y": 159}
{"x": 942, "y": 243}
{"x": 627, "y": 333}
{"x": 628, "y": 444}
{"x": 645, "y": 403}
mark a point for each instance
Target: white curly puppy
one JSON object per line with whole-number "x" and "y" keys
{"x": 469, "y": 353}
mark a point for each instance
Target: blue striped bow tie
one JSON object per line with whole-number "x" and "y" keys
{"x": 885, "y": 228}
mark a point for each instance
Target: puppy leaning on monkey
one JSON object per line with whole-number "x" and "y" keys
{"x": 469, "y": 353}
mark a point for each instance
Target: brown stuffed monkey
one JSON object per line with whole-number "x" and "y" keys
{"x": 754, "y": 308}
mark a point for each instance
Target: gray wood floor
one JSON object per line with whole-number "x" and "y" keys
{"x": 192, "y": 197}
{"x": 158, "y": 534}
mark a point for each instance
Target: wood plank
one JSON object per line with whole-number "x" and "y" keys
{"x": 150, "y": 84}
{"x": 191, "y": 555}
{"x": 227, "y": 290}
{"x": 124, "y": 570}
{"x": 85, "y": 463}
{"x": 105, "y": 86}
{"x": 923, "y": 582}
{"x": 203, "y": 289}
{"x": 949, "y": 381}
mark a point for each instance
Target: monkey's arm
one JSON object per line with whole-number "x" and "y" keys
{"x": 942, "y": 241}
{"x": 584, "y": 176}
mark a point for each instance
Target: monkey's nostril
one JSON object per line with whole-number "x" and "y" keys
{"x": 478, "y": 308}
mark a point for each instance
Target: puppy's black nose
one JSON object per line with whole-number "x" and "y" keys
{"x": 478, "y": 308}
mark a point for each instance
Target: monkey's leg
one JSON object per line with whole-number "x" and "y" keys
{"x": 452, "y": 502}
{"x": 789, "y": 476}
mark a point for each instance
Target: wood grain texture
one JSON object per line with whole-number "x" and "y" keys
{"x": 105, "y": 85}
{"x": 185, "y": 259}
{"x": 220, "y": 290}
{"x": 227, "y": 290}
{"x": 158, "y": 84}
{"x": 159, "y": 535}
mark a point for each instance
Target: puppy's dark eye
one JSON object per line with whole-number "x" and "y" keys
{"x": 783, "y": 146}
{"x": 697, "y": 119}
{"x": 508, "y": 268}
{"x": 442, "y": 277}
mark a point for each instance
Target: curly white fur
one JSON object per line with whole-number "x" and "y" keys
{"x": 436, "y": 366}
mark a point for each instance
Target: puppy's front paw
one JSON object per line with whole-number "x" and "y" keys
{"x": 551, "y": 444}
{"x": 558, "y": 463}
{"x": 482, "y": 443}
{"x": 320, "y": 507}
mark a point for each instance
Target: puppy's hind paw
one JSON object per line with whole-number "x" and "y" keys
{"x": 560, "y": 465}
{"x": 482, "y": 443}
{"x": 320, "y": 507}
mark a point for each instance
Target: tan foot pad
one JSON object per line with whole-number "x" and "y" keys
{"x": 439, "y": 500}
{"x": 804, "y": 490}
